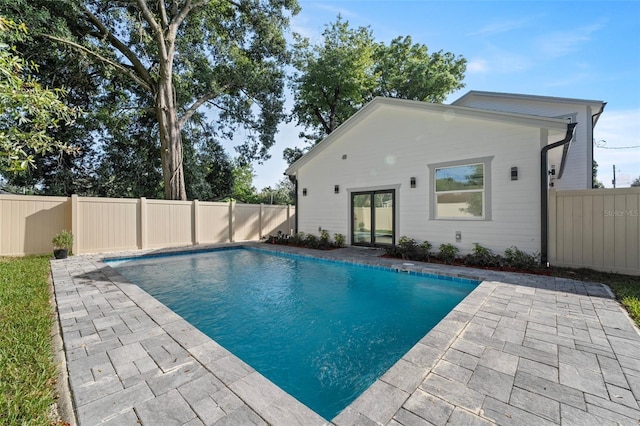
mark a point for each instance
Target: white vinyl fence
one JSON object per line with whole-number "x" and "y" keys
{"x": 28, "y": 223}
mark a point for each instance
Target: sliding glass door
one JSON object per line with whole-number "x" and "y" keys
{"x": 373, "y": 218}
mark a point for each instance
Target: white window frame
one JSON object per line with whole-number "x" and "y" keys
{"x": 486, "y": 191}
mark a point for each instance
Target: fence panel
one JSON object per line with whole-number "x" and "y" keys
{"x": 214, "y": 223}
{"x": 108, "y": 224}
{"x": 169, "y": 223}
{"x": 29, "y": 223}
{"x": 596, "y": 228}
{"x": 246, "y": 222}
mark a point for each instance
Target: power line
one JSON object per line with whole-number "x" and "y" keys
{"x": 601, "y": 144}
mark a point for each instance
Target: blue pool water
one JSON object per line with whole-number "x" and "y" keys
{"x": 322, "y": 331}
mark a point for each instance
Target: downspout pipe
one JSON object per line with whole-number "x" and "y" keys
{"x": 544, "y": 193}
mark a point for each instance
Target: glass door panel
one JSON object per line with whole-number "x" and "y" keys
{"x": 383, "y": 218}
{"x": 361, "y": 214}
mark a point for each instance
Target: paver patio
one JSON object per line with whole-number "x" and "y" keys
{"x": 520, "y": 349}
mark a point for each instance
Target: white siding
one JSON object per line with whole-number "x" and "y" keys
{"x": 393, "y": 144}
{"x": 577, "y": 172}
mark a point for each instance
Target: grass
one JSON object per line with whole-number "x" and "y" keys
{"x": 625, "y": 287}
{"x": 27, "y": 370}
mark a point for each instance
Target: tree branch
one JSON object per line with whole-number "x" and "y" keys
{"x": 198, "y": 103}
{"x": 123, "y": 69}
{"x": 139, "y": 68}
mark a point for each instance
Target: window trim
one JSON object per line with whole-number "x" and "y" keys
{"x": 486, "y": 202}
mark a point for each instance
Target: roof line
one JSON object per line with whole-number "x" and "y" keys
{"x": 525, "y": 96}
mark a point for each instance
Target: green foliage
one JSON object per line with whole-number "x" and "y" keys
{"x": 482, "y": 256}
{"x": 347, "y": 69}
{"x": 405, "y": 70}
{"x": 636, "y": 182}
{"x": 27, "y": 110}
{"x": 27, "y": 369}
{"x": 282, "y": 194}
{"x": 323, "y": 242}
{"x": 518, "y": 259}
{"x": 408, "y": 249}
{"x": 339, "y": 240}
{"x": 243, "y": 189}
{"x": 594, "y": 173}
{"x": 448, "y": 253}
{"x": 63, "y": 240}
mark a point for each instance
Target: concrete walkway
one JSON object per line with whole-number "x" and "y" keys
{"x": 520, "y": 349}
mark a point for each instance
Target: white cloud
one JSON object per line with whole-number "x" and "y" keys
{"x": 618, "y": 129}
{"x": 477, "y": 66}
{"x": 500, "y": 27}
{"x": 561, "y": 43}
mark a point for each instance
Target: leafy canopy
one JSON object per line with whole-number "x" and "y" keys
{"x": 28, "y": 111}
{"x": 347, "y": 69}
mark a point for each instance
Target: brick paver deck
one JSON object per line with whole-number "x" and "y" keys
{"x": 520, "y": 349}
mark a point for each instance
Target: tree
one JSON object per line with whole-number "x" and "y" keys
{"x": 594, "y": 172}
{"x": 182, "y": 55}
{"x": 336, "y": 77}
{"x": 282, "y": 194}
{"x": 27, "y": 110}
{"x": 636, "y": 182}
{"x": 243, "y": 189}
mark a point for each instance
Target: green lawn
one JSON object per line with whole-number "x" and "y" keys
{"x": 27, "y": 370}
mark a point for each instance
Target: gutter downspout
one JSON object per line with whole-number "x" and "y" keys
{"x": 544, "y": 194}
{"x": 295, "y": 200}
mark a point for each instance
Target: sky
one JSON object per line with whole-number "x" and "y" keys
{"x": 564, "y": 48}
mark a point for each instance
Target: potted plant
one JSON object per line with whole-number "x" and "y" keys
{"x": 62, "y": 244}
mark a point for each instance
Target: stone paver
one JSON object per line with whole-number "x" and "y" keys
{"x": 520, "y": 349}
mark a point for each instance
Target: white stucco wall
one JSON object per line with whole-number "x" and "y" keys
{"x": 393, "y": 144}
{"x": 577, "y": 172}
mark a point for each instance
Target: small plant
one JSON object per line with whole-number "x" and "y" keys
{"x": 62, "y": 244}
{"x": 63, "y": 240}
{"x": 516, "y": 258}
{"x": 311, "y": 241}
{"x": 448, "y": 253}
{"x": 482, "y": 256}
{"x": 324, "y": 241}
{"x": 424, "y": 251}
{"x": 408, "y": 247}
{"x": 338, "y": 240}
{"x": 361, "y": 226}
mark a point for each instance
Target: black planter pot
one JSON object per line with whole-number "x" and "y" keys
{"x": 60, "y": 253}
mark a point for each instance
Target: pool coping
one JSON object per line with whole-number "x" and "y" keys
{"x": 204, "y": 367}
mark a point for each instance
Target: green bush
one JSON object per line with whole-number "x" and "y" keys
{"x": 516, "y": 258}
{"x": 448, "y": 253}
{"x": 482, "y": 256}
{"x": 63, "y": 240}
{"x": 338, "y": 240}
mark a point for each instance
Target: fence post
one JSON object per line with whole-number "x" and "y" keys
{"x": 231, "y": 211}
{"x": 196, "y": 222}
{"x": 143, "y": 223}
{"x": 75, "y": 226}
{"x": 260, "y": 224}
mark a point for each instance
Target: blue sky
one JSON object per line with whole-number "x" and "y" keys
{"x": 575, "y": 49}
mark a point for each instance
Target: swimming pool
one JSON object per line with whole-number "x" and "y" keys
{"x": 322, "y": 331}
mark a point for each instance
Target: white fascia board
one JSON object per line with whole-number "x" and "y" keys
{"x": 539, "y": 98}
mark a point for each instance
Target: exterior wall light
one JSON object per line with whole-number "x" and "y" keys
{"x": 336, "y": 189}
{"x": 514, "y": 173}
{"x": 304, "y": 192}
{"x": 412, "y": 181}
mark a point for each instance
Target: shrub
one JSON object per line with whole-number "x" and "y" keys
{"x": 408, "y": 247}
{"x": 424, "y": 251}
{"x": 324, "y": 241}
{"x": 448, "y": 253}
{"x": 482, "y": 256}
{"x": 518, "y": 259}
{"x": 63, "y": 240}
{"x": 339, "y": 240}
{"x": 311, "y": 241}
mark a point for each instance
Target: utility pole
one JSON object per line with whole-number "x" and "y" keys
{"x": 614, "y": 176}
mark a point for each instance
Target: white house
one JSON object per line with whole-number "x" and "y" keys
{"x": 456, "y": 173}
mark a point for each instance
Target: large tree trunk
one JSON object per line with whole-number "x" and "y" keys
{"x": 170, "y": 142}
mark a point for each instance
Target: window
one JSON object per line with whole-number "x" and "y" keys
{"x": 460, "y": 190}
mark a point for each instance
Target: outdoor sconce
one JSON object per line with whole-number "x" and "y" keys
{"x": 514, "y": 173}
{"x": 412, "y": 181}
{"x": 336, "y": 189}
{"x": 344, "y": 156}
{"x": 304, "y": 192}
